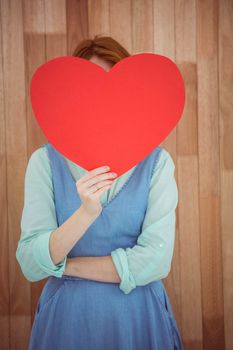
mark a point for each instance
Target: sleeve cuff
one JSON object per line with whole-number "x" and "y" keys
{"x": 43, "y": 258}
{"x": 121, "y": 263}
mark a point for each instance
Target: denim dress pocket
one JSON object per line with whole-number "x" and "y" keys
{"x": 158, "y": 290}
{"x": 51, "y": 289}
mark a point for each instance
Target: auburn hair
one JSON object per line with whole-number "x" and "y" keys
{"x": 104, "y": 47}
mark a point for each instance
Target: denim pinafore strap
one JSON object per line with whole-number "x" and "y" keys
{"x": 81, "y": 314}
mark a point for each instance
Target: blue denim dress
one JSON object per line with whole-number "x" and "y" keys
{"x": 74, "y": 313}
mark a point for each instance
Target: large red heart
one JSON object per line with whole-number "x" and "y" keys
{"x": 116, "y": 118}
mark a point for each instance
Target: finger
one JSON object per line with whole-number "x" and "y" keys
{"x": 98, "y": 193}
{"x": 96, "y": 187}
{"x": 98, "y": 179}
{"x": 90, "y": 174}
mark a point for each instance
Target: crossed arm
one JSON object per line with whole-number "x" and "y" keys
{"x": 98, "y": 268}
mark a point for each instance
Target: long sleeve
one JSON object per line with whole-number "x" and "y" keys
{"x": 38, "y": 222}
{"x": 150, "y": 259}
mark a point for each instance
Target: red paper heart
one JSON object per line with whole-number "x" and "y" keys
{"x": 96, "y": 117}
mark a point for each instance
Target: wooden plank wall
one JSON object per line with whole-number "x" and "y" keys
{"x": 197, "y": 35}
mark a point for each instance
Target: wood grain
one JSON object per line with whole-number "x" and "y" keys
{"x": 197, "y": 35}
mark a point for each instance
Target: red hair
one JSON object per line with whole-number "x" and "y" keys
{"x": 104, "y": 47}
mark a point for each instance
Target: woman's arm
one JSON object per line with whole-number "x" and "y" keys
{"x": 150, "y": 259}
{"x": 43, "y": 246}
{"x": 98, "y": 268}
{"x": 66, "y": 235}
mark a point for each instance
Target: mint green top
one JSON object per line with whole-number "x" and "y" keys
{"x": 149, "y": 260}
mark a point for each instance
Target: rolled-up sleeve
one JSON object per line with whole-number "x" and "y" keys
{"x": 150, "y": 259}
{"x": 38, "y": 221}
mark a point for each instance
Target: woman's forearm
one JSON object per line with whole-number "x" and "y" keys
{"x": 97, "y": 268}
{"x": 65, "y": 236}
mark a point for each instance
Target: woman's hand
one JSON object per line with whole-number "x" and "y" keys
{"x": 91, "y": 186}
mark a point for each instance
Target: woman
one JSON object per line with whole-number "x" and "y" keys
{"x": 104, "y": 242}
